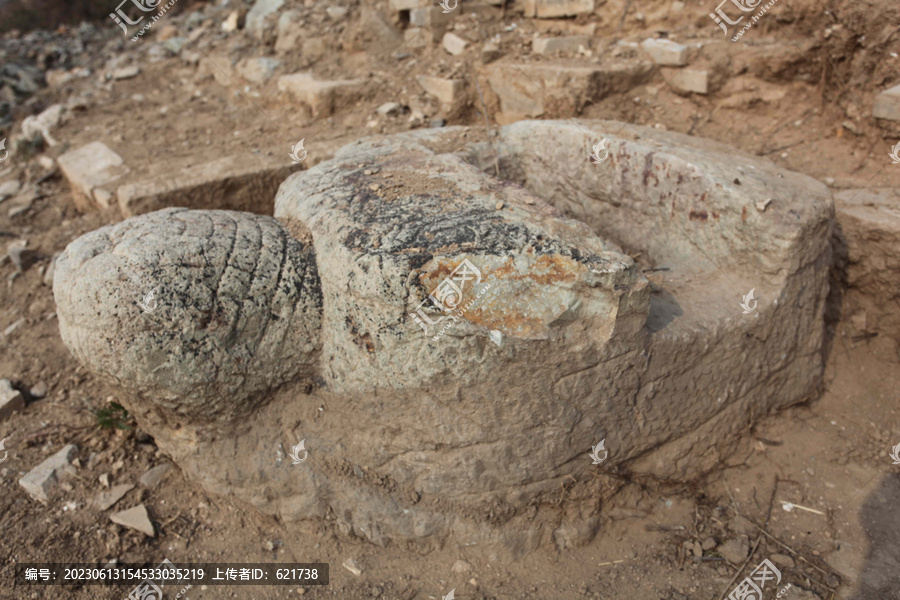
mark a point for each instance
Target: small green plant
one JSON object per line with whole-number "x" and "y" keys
{"x": 115, "y": 416}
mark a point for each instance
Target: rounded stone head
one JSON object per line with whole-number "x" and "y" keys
{"x": 196, "y": 313}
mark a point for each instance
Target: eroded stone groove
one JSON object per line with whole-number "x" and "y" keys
{"x": 601, "y": 301}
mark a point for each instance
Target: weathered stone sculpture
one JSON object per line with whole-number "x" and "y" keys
{"x": 542, "y": 335}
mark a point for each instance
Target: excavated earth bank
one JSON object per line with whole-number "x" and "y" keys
{"x": 598, "y": 301}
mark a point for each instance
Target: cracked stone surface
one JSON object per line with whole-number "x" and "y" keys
{"x": 591, "y": 302}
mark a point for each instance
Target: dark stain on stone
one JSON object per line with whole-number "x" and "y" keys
{"x": 698, "y": 215}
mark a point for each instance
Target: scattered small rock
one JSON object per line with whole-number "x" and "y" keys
{"x": 735, "y": 550}
{"x": 107, "y": 498}
{"x": 461, "y": 566}
{"x": 783, "y": 560}
{"x": 389, "y": 108}
{"x": 9, "y": 189}
{"x": 454, "y": 44}
{"x": 40, "y": 480}
{"x": 104, "y": 478}
{"x": 126, "y": 72}
{"x": 709, "y": 543}
{"x": 151, "y": 478}
{"x": 761, "y": 205}
{"x": 352, "y": 566}
{"x": 135, "y": 518}
{"x": 9, "y": 330}
{"x": 39, "y": 390}
{"x": 336, "y": 12}
{"x": 437, "y": 123}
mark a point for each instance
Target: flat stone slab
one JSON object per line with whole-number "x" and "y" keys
{"x": 135, "y": 518}
{"x": 93, "y": 171}
{"x": 154, "y": 476}
{"x": 107, "y": 498}
{"x": 887, "y": 104}
{"x": 870, "y": 226}
{"x": 449, "y": 317}
{"x": 558, "y": 8}
{"x": 531, "y": 90}
{"x": 323, "y": 97}
{"x": 246, "y": 182}
{"x": 40, "y": 480}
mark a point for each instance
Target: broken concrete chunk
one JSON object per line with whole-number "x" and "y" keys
{"x": 107, "y": 498}
{"x": 666, "y": 52}
{"x": 887, "y": 104}
{"x": 90, "y": 167}
{"x": 454, "y": 44}
{"x": 551, "y": 45}
{"x": 687, "y": 81}
{"x": 558, "y": 8}
{"x": 40, "y": 480}
{"x": 11, "y": 399}
{"x": 154, "y": 476}
{"x": 448, "y": 91}
{"x": 135, "y": 518}
{"x": 323, "y": 97}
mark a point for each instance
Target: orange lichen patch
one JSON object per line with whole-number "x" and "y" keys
{"x": 549, "y": 269}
